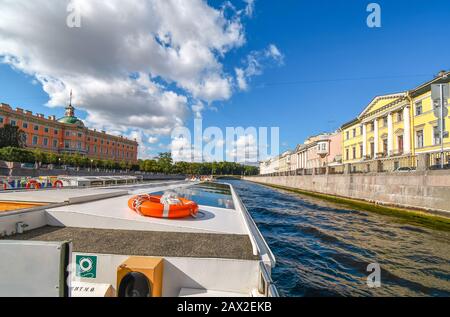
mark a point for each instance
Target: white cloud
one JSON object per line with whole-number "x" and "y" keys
{"x": 274, "y": 53}
{"x": 244, "y": 149}
{"x": 240, "y": 78}
{"x": 255, "y": 62}
{"x": 197, "y": 109}
{"x": 136, "y": 67}
{"x": 153, "y": 140}
{"x": 250, "y": 8}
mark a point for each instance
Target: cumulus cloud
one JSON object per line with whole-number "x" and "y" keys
{"x": 137, "y": 67}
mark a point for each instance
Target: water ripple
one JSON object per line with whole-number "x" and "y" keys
{"x": 323, "y": 249}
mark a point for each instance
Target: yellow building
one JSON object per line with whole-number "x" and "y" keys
{"x": 395, "y": 125}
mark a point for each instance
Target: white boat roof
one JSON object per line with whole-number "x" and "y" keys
{"x": 72, "y": 195}
{"x": 114, "y": 213}
{"x": 105, "y": 212}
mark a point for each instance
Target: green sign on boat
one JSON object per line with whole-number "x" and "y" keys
{"x": 86, "y": 266}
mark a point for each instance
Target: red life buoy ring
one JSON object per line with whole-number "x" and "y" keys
{"x": 58, "y": 184}
{"x": 32, "y": 184}
{"x": 151, "y": 206}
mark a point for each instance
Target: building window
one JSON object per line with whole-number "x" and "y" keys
{"x": 361, "y": 150}
{"x": 436, "y": 136}
{"x": 354, "y": 133}
{"x": 13, "y": 123}
{"x": 79, "y": 145}
{"x": 35, "y": 140}
{"x": 419, "y": 138}
{"x": 55, "y": 144}
{"x": 419, "y": 108}
{"x": 1, "y": 120}
{"x": 400, "y": 144}
{"x": 67, "y": 144}
{"x": 347, "y": 154}
{"x": 95, "y": 148}
{"x": 55, "y": 132}
{"x": 385, "y": 121}
{"x": 46, "y": 130}
{"x": 80, "y": 135}
{"x": 399, "y": 116}
{"x": 347, "y": 135}
{"x": 385, "y": 146}
{"x": 25, "y": 125}
{"x": 354, "y": 152}
{"x": 67, "y": 133}
{"x": 36, "y": 128}
{"x": 45, "y": 142}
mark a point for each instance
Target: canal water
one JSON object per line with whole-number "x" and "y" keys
{"x": 324, "y": 249}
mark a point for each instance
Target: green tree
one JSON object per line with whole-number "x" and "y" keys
{"x": 123, "y": 165}
{"x": 11, "y": 136}
{"x": 12, "y": 154}
{"x": 165, "y": 162}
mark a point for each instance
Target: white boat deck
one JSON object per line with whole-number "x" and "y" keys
{"x": 57, "y": 195}
{"x": 72, "y": 195}
{"x": 114, "y": 213}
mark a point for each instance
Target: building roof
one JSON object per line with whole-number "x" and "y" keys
{"x": 71, "y": 120}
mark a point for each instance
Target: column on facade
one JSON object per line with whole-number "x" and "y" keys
{"x": 375, "y": 137}
{"x": 390, "y": 135}
{"x": 364, "y": 136}
{"x": 406, "y": 131}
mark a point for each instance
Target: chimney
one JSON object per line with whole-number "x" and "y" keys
{"x": 28, "y": 112}
{"x": 52, "y": 118}
{"x": 20, "y": 110}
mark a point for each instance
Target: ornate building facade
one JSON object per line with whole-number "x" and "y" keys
{"x": 395, "y": 125}
{"x": 68, "y": 135}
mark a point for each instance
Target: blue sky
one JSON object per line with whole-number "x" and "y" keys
{"x": 333, "y": 64}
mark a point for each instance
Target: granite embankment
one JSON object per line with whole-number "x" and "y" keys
{"x": 422, "y": 190}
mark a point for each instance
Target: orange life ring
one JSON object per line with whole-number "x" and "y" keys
{"x": 150, "y": 206}
{"x": 35, "y": 184}
{"x": 58, "y": 184}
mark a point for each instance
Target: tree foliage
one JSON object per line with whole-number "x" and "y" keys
{"x": 12, "y": 136}
{"x": 162, "y": 164}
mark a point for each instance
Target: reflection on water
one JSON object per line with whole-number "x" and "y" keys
{"x": 207, "y": 194}
{"x": 323, "y": 249}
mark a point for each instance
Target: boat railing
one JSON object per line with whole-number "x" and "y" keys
{"x": 258, "y": 241}
{"x": 266, "y": 286}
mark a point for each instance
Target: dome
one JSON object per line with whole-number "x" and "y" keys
{"x": 71, "y": 120}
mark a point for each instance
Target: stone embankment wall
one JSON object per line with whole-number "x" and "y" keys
{"x": 427, "y": 190}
